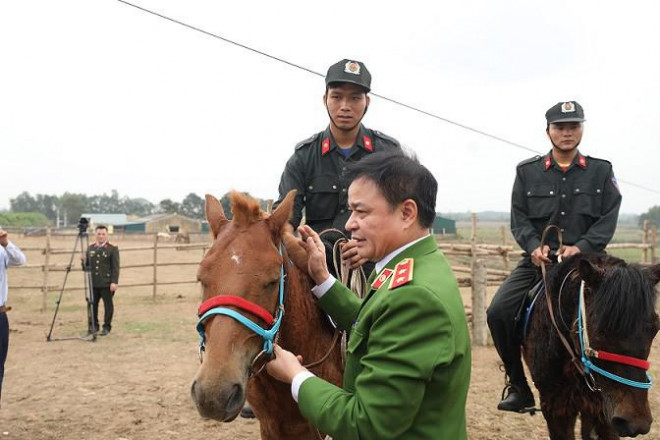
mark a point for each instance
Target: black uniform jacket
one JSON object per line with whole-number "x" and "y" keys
{"x": 582, "y": 200}
{"x": 315, "y": 170}
{"x": 103, "y": 262}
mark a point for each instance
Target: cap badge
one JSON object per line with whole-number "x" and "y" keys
{"x": 352, "y": 67}
{"x": 567, "y": 107}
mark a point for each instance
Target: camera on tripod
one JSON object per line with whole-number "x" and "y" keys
{"x": 83, "y": 224}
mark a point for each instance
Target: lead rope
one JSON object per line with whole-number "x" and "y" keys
{"x": 575, "y": 358}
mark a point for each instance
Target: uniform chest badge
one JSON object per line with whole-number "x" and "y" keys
{"x": 384, "y": 275}
{"x": 403, "y": 273}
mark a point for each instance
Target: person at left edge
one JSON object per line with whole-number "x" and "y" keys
{"x": 10, "y": 255}
{"x": 316, "y": 166}
{"x": 103, "y": 262}
{"x": 408, "y": 359}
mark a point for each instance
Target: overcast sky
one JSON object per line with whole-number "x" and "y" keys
{"x": 98, "y": 95}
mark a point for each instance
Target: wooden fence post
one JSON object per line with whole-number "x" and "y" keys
{"x": 645, "y": 240}
{"x": 479, "y": 331}
{"x": 505, "y": 254}
{"x": 44, "y": 289}
{"x": 473, "y": 242}
{"x": 654, "y": 243}
{"x": 155, "y": 266}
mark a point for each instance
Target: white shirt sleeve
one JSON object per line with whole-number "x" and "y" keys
{"x": 15, "y": 257}
{"x": 323, "y": 288}
{"x": 297, "y": 381}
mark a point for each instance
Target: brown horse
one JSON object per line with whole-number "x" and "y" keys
{"x": 605, "y": 310}
{"x": 247, "y": 260}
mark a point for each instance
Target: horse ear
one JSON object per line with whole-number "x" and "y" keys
{"x": 296, "y": 252}
{"x": 281, "y": 215}
{"x": 215, "y": 215}
{"x": 589, "y": 273}
{"x": 654, "y": 273}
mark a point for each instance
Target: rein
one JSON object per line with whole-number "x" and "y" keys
{"x": 582, "y": 360}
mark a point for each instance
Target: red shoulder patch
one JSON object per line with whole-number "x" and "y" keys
{"x": 380, "y": 280}
{"x": 403, "y": 273}
{"x": 325, "y": 146}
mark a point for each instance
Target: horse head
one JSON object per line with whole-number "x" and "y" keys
{"x": 616, "y": 327}
{"x": 242, "y": 280}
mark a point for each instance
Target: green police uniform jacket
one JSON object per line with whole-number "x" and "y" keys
{"x": 583, "y": 201}
{"x": 315, "y": 170}
{"x": 408, "y": 363}
{"x": 103, "y": 262}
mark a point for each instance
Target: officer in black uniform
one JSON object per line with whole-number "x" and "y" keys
{"x": 577, "y": 193}
{"x": 316, "y": 166}
{"x": 103, "y": 262}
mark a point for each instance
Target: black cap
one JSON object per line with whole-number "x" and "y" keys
{"x": 349, "y": 71}
{"x": 569, "y": 111}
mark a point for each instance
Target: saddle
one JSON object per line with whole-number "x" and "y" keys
{"x": 527, "y": 308}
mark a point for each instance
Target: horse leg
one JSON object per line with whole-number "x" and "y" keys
{"x": 559, "y": 416}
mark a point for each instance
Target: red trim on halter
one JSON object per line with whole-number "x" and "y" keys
{"x": 236, "y": 301}
{"x": 621, "y": 359}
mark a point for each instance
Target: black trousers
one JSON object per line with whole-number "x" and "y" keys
{"x": 4, "y": 345}
{"x": 103, "y": 293}
{"x": 501, "y": 316}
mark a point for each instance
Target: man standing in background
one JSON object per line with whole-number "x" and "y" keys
{"x": 103, "y": 262}
{"x": 10, "y": 255}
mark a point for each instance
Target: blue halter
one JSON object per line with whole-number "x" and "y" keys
{"x": 267, "y": 335}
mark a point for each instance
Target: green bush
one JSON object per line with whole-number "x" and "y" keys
{"x": 22, "y": 219}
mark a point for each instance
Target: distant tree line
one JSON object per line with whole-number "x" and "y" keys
{"x": 652, "y": 215}
{"x": 42, "y": 209}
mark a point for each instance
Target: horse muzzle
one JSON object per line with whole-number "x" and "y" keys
{"x": 631, "y": 428}
{"x": 222, "y": 404}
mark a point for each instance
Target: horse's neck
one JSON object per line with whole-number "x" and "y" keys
{"x": 303, "y": 327}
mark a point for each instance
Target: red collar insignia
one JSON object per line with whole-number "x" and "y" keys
{"x": 384, "y": 275}
{"x": 403, "y": 273}
{"x": 368, "y": 145}
{"x": 325, "y": 146}
{"x": 548, "y": 162}
{"x": 582, "y": 162}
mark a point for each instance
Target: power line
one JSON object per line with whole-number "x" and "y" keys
{"x": 394, "y": 101}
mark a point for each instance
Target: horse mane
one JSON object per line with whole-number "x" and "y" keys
{"x": 623, "y": 293}
{"x": 245, "y": 210}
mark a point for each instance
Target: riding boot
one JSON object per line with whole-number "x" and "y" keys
{"x": 516, "y": 395}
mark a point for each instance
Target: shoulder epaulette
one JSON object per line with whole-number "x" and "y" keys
{"x": 381, "y": 135}
{"x": 403, "y": 273}
{"x": 307, "y": 141}
{"x": 599, "y": 159}
{"x": 530, "y": 160}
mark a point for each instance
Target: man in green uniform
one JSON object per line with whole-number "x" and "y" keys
{"x": 103, "y": 262}
{"x": 577, "y": 193}
{"x": 408, "y": 363}
{"x": 316, "y": 166}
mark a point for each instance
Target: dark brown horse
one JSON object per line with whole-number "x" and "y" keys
{"x": 248, "y": 261}
{"x": 603, "y": 376}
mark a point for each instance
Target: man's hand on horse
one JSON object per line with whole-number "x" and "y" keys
{"x": 540, "y": 255}
{"x": 316, "y": 264}
{"x": 569, "y": 251}
{"x": 352, "y": 258}
{"x": 285, "y": 365}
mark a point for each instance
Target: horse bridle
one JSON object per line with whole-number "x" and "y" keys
{"x": 582, "y": 360}
{"x": 217, "y": 306}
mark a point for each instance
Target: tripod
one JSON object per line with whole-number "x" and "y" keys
{"x": 82, "y": 241}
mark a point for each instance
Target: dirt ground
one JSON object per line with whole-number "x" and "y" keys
{"x": 134, "y": 383}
